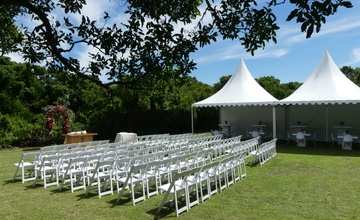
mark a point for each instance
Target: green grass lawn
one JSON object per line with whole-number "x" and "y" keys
{"x": 319, "y": 183}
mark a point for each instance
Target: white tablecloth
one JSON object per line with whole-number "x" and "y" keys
{"x": 126, "y": 137}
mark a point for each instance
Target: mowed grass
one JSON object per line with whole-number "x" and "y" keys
{"x": 311, "y": 183}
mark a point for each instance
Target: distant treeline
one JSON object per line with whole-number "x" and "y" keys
{"x": 160, "y": 105}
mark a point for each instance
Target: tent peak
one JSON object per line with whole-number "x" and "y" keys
{"x": 241, "y": 89}
{"x": 327, "y": 84}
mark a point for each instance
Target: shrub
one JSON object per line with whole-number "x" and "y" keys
{"x": 16, "y": 130}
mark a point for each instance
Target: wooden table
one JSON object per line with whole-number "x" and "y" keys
{"x": 79, "y": 138}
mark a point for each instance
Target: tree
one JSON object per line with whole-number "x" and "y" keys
{"x": 352, "y": 73}
{"x": 149, "y": 42}
{"x": 10, "y": 37}
{"x": 222, "y": 81}
{"x": 28, "y": 91}
{"x": 277, "y": 89}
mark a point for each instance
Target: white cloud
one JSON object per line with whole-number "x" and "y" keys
{"x": 16, "y": 57}
{"x": 355, "y": 57}
{"x": 95, "y": 9}
{"x": 331, "y": 27}
{"x": 236, "y": 52}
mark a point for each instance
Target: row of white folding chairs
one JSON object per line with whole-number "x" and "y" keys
{"x": 164, "y": 145}
{"x": 266, "y": 151}
{"x": 30, "y": 161}
{"x": 35, "y": 158}
{"x": 189, "y": 136}
{"x": 168, "y": 137}
{"x": 80, "y": 174}
{"x": 236, "y": 145}
{"x": 50, "y": 167}
{"x": 101, "y": 143}
{"x": 134, "y": 177}
{"x": 168, "y": 147}
{"x": 150, "y": 176}
{"x": 74, "y": 145}
{"x": 183, "y": 136}
{"x": 59, "y": 153}
{"x": 153, "y": 137}
{"x": 141, "y": 145}
{"x": 104, "y": 176}
{"x": 205, "y": 180}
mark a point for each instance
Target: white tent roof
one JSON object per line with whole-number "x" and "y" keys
{"x": 326, "y": 85}
{"x": 241, "y": 89}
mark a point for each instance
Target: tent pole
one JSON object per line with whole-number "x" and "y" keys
{"x": 286, "y": 121}
{"x": 327, "y": 123}
{"x": 274, "y": 121}
{"x": 192, "y": 119}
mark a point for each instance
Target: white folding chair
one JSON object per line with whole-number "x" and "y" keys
{"x": 133, "y": 180}
{"x": 102, "y": 177}
{"x": 27, "y": 164}
{"x": 49, "y": 170}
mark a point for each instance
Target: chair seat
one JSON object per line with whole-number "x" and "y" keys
{"x": 179, "y": 185}
{"x": 24, "y": 164}
{"x": 191, "y": 180}
{"x": 204, "y": 176}
{"x": 212, "y": 172}
{"x": 74, "y": 171}
{"x": 46, "y": 168}
{"x": 150, "y": 173}
{"x": 100, "y": 174}
{"x": 133, "y": 179}
{"x": 163, "y": 170}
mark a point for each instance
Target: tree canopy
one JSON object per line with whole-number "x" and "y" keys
{"x": 352, "y": 73}
{"x": 158, "y": 36}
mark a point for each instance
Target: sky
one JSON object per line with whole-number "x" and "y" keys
{"x": 293, "y": 58}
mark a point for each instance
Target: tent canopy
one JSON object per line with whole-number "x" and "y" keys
{"x": 326, "y": 85}
{"x": 241, "y": 90}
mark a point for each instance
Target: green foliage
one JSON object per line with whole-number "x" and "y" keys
{"x": 16, "y": 130}
{"x": 352, "y": 73}
{"x": 156, "y": 37}
{"x": 277, "y": 89}
{"x": 222, "y": 81}
{"x": 27, "y": 89}
{"x": 10, "y": 36}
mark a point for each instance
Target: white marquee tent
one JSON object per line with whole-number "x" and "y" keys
{"x": 243, "y": 91}
{"x": 326, "y": 87}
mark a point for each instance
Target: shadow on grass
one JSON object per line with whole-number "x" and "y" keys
{"x": 11, "y": 181}
{"x": 123, "y": 201}
{"x": 325, "y": 149}
{"x": 168, "y": 211}
{"x": 26, "y": 149}
{"x": 60, "y": 190}
{"x": 34, "y": 186}
{"x": 87, "y": 195}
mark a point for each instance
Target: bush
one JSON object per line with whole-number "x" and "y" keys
{"x": 16, "y": 130}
